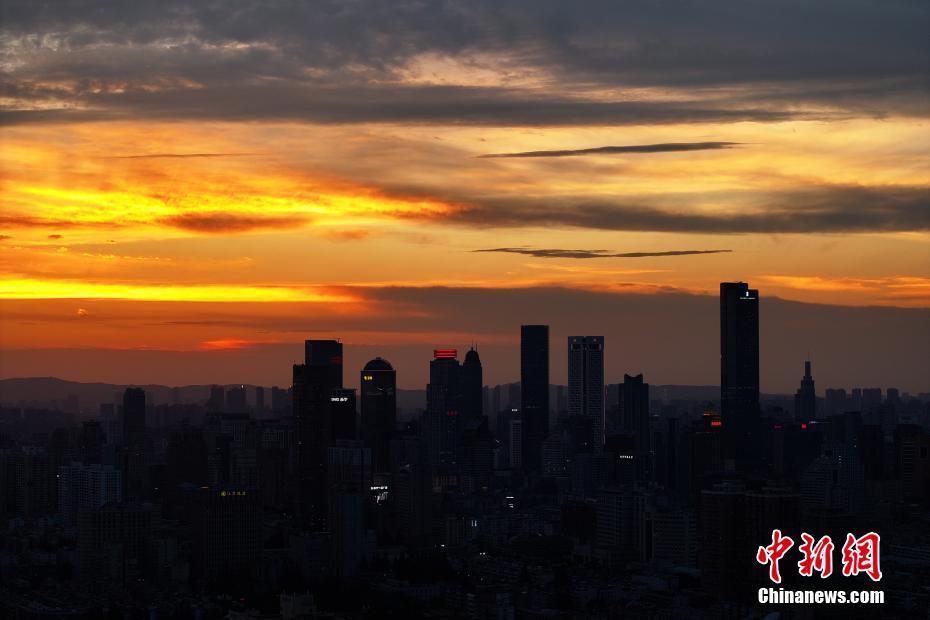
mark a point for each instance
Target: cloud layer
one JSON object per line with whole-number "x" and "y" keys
{"x": 557, "y": 253}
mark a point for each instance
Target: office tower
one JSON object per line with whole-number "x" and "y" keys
{"x": 259, "y": 401}
{"x": 534, "y": 393}
{"x": 471, "y": 390}
{"x": 133, "y": 416}
{"x": 621, "y": 522}
{"x": 236, "y": 400}
{"x": 805, "y": 399}
{"x": 227, "y": 535}
{"x": 86, "y": 487}
{"x": 835, "y": 401}
{"x": 674, "y": 538}
{"x": 739, "y": 369}
{"x": 114, "y": 543}
{"x": 28, "y": 482}
{"x": 443, "y": 406}
{"x": 93, "y": 439}
{"x": 343, "y": 411}
{"x": 325, "y": 355}
{"x": 516, "y": 443}
{"x": 315, "y": 382}
{"x": 379, "y": 411}
{"x": 217, "y": 401}
{"x": 586, "y": 384}
{"x": 871, "y": 400}
{"x": 634, "y": 410}
{"x": 726, "y": 553}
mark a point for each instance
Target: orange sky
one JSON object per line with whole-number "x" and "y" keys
{"x": 241, "y": 176}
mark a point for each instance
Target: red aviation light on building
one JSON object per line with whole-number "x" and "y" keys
{"x": 445, "y": 354}
{"x": 804, "y": 425}
{"x": 716, "y": 423}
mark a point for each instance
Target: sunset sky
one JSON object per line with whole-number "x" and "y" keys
{"x": 189, "y": 189}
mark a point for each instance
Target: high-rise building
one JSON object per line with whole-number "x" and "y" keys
{"x": 471, "y": 377}
{"x": 315, "y": 383}
{"x": 534, "y": 393}
{"x": 259, "y": 401}
{"x": 227, "y": 535}
{"x": 739, "y": 368}
{"x": 133, "y": 416}
{"x": 379, "y": 411}
{"x": 86, "y": 487}
{"x": 586, "y": 384}
{"x": 634, "y": 410}
{"x": 342, "y": 407}
{"x": 443, "y": 406}
{"x": 805, "y": 399}
{"x": 236, "y": 400}
{"x": 217, "y": 401}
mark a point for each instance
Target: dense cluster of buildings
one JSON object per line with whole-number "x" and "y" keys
{"x": 523, "y": 501}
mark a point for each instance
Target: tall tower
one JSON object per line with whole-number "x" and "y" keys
{"x": 471, "y": 390}
{"x": 739, "y": 368}
{"x": 443, "y": 407}
{"x": 315, "y": 383}
{"x": 634, "y": 410}
{"x": 534, "y": 393}
{"x": 379, "y": 410}
{"x": 133, "y": 416}
{"x": 805, "y": 399}
{"x": 586, "y": 385}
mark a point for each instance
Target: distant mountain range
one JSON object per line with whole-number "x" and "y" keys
{"x": 49, "y": 391}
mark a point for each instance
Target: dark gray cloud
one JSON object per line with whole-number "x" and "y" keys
{"x": 829, "y": 209}
{"x": 176, "y": 59}
{"x": 667, "y": 147}
{"x": 298, "y": 101}
{"x": 556, "y": 253}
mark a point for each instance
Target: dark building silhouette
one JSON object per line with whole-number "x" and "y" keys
{"x": 586, "y": 384}
{"x": 379, "y": 411}
{"x": 534, "y": 393}
{"x": 315, "y": 382}
{"x": 227, "y": 536}
{"x": 236, "y": 400}
{"x": 805, "y": 399}
{"x": 739, "y": 368}
{"x": 133, "y": 416}
{"x": 471, "y": 377}
{"x": 634, "y": 410}
{"x": 93, "y": 439}
{"x": 443, "y": 407}
{"x": 217, "y": 401}
{"x": 343, "y": 411}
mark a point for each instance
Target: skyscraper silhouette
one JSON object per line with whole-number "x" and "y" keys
{"x": 133, "y": 416}
{"x": 443, "y": 407}
{"x": 379, "y": 410}
{"x": 634, "y": 410}
{"x": 471, "y": 391}
{"x": 805, "y": 399}
{"x": 739, "y": 368}
{"x": 534, "y": 393}
{"x": 586, "y": 386}
{"x": 315, "y": 382}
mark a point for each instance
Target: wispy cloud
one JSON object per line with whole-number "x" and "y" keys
{"x": 559, "y": 253}
{"x": 231, "y": 222}
{"x": 666, "y": 147}
{"x": 179, "y": 155}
